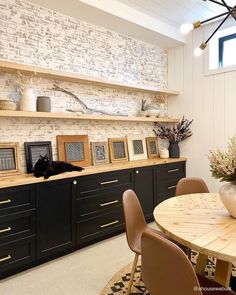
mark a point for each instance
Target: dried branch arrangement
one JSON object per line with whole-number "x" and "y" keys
{"x": 174, "y": 134}
{"x": 223, "y": 164}
{"x": 23, "y": 81}
{"x": 84, "y": 108}
{"x": 161, "y": 97}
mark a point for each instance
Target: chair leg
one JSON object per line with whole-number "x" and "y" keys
{"x": 132, "y": 273}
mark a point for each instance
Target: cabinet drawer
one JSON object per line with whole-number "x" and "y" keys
{"x": 16, "y": 254}
{"x": 99, "y": 203}
{"x": 16, "y": 226}
{"x": 102, "y": 181}
{"x": 173, "y": 170}
{"x": 17, "y": 199}
{"x": 166, "y": 189}
{"x": 100, "y": 226}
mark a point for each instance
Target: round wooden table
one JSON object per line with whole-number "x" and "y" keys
{"x": 200, "y": 222}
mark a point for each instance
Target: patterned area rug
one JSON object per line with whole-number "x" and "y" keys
{"x": 119, "y": 282}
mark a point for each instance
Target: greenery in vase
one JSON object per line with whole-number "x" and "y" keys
{"x": 223, "y": 164}
{"x": 176, "y": 133}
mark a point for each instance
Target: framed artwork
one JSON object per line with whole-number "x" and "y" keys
{"x": 9, "y": 158}
{"x": 100, "y": 152}
{"x": 118, "y": 149}
{"x": 35, "y": 149}
{"x": 152, "y": 147}
{"x": 74, "y": 149}
{"x": 137, "y": 147}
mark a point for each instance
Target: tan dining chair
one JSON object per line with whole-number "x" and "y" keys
{"x": 135, "y": 224}
{"x": 166, "y": 270}
{"x": 193, "y": 185}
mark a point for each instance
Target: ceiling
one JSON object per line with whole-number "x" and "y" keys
{"x": 177, "y": 12}
{"x": 153, "y": 21}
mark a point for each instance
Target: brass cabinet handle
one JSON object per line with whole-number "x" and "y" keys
{"x": 5, "y": 258}
{"x": 108, "y": 224}
{"x": 5, "y": 229}
{"x": 108, "y": 203}
{"x": 173, "y": 186}
{"x": 108, "y": 182}
{"x": 5, "y": 201}
{"x": 173, "y": 170}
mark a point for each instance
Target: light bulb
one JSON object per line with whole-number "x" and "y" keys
{"x": 198, "y": 51}
{"x": 186, "y": 28}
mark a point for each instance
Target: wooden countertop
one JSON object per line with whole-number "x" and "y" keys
{"x": 22, "y": 179}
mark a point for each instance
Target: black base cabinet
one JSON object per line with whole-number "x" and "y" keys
{"x": 39, "y": 222}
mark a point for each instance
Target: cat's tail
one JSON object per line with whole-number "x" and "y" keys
{"x": 77, "y": 168}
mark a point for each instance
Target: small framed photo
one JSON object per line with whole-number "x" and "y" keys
{"x": 137, "y": 147}
{"x": 152, "y": 147}
{"x": 74, "y": 149}
{"x": 35, "y": 149}
{"x": 118, "y": 149}
{"x": 100, "y": 152}
{"x": 9, "y": 158}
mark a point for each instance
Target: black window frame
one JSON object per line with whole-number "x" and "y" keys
{"x": 221, "y": 47}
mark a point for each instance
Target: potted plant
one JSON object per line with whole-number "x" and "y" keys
{"x": 223, "y": 167}
{"x": 174, "y": 135}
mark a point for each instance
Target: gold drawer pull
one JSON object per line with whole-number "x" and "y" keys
{"x": 108, "y": 203}
{"x": 5, "y": 229}
{"x": 5, "y": 258}
{"x": 173, "y": 170}
{"x": 108, "y": 182}
{"x": 5, "y": 201}
{"x": 173, "y": 186}
{"x": 109, "y": 224}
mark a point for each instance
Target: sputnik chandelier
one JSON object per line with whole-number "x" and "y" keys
{"x": 230, "y": 11}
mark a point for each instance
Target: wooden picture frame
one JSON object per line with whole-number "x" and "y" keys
{"x": 152, "y": 147}
{"x": 74, "y": 149}
{"x": 9, "y": 159}
{"x": 35, "y": 149}
{"x": 118, "y": 149}
{"x": 99, "y": 150}
{"x": 136, "y": 147}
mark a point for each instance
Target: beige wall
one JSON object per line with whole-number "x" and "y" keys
{"x": 209, "y": 100}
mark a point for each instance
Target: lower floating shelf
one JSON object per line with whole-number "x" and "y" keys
{"x": 72, "y": 116}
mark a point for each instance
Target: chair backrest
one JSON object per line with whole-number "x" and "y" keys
{"x": 191, "y": 185}
{"x": 166, "y": 270}
{"x": 134, "y": 220}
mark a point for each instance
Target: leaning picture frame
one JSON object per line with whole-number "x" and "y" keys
{"x": 99, "y": 150}
{"x": 33, "y": 151}
{"x": 136, "y": 147}
{"x": 74, "y": 149}
{"x": 118, "y": 149}
{"x": 9, "y": 159}
{"x": 152, "y": 147}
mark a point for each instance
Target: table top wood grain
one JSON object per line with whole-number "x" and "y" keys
{"x": 200, "y": 222}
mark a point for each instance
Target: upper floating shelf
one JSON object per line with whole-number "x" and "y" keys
{"x": 71, "y": 116}
{"x": 12, "y": 67}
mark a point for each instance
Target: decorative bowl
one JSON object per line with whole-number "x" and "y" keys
{"x": 153, "y": 113}
{"x": 7, "y": 105}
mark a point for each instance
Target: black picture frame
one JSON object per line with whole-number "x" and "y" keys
{"x": 33, "y": 150}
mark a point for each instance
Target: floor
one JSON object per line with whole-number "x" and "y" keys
{"x": 84, "y": 272}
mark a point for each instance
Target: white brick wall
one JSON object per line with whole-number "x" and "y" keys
{"x": 34, "y": 35}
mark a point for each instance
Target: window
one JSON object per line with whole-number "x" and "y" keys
{"x": 227, "y": 50}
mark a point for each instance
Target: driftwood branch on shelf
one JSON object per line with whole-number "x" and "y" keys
{"x": 85, "y": 108}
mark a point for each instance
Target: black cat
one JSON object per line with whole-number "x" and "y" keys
{"x": 44, "y": 167}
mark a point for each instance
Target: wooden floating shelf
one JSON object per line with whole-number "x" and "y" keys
{"x": 12, "y": 67}
{"x": 72, "y": 116}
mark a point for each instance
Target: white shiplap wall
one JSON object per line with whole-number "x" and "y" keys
{"x": 209, "y": 100}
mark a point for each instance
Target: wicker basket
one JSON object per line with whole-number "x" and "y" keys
{"x": 7, "y": 105}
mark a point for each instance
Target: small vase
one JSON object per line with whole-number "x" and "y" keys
{"x": 228, "y": 197}
{"x": 43, "y": 104}
{"x": 174, "y": 150}
{"x": 28, "y": 101}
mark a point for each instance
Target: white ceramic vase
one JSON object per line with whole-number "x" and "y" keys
{"x": 228, "y": 197}
{"x": 28, "y": 100}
